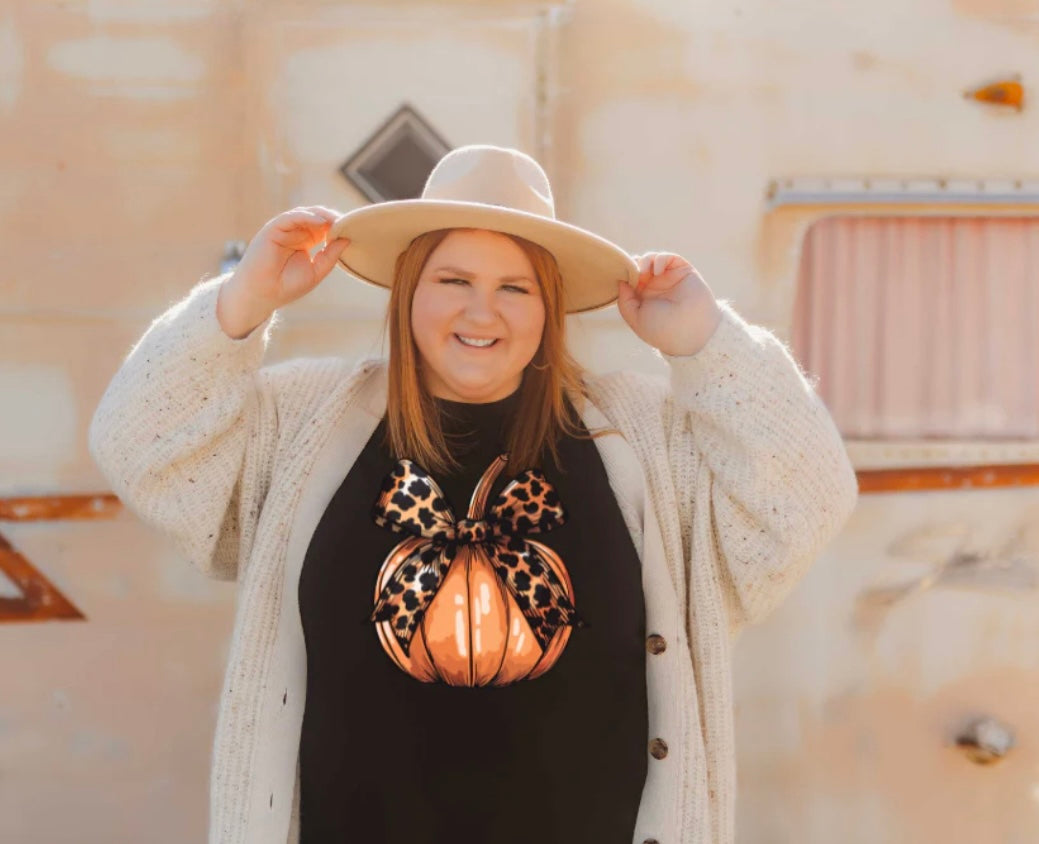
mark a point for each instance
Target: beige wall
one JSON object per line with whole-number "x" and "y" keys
{"x": 135, "y": 138}
{"x": 850, "y": 698}
{"x": 120, "y": 160}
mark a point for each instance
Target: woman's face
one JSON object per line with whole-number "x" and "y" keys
{"x": 477, "y": 316}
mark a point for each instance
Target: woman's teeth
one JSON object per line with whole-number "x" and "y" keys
{"x": 472, "y": 341}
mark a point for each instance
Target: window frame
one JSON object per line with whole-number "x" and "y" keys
{"x": 793, "y": 207}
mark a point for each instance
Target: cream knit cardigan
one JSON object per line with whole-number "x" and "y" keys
{"x": 730, "y": 476}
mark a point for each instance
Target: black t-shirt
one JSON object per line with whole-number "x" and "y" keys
{"x": 386, "y": 758}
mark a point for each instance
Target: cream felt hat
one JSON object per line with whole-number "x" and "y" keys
{"x": 486, "y": 187}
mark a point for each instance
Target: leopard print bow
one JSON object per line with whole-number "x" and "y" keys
{"x": 412, "y": 503}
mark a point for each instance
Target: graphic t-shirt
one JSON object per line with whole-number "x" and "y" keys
{"x": 475, "y": 669}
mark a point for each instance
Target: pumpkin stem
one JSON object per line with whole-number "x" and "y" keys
{"x": 483, "y": 488}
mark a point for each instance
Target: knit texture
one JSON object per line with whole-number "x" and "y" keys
{"x": 745, "y": 473}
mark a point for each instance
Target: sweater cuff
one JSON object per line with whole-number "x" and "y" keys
{"x": 201, "y": 329}
{"x": 731, "y": 348}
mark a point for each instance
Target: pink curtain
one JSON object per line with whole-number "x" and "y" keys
{"x": 923, "y": 326}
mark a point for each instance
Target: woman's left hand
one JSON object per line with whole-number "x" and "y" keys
{"x": 671, "y": 307}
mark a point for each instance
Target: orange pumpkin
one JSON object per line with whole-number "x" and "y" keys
{"x": 472, "y": 602}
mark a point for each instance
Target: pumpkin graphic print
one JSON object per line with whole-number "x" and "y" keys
{"x": 473, "y": 601}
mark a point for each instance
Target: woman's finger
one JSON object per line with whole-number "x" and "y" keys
{"x": 329, "y": 214}
{"x": 660, "y": 262}
{"x": 302, "y": 218}
{"x": 326, "y": 259}
{"x": 300, "y": 229}
{"x": 645, "y": 264}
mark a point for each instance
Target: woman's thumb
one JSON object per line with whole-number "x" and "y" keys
{"x": 627, "y": 302}
{"x": 326, "y": 259}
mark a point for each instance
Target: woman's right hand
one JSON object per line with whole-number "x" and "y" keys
{"x": 277, "y": 268}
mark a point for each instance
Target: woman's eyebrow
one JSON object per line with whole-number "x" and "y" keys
{"x": 466, "y": 274}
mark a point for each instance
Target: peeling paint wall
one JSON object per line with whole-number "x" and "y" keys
{"x": 137, "y": 137}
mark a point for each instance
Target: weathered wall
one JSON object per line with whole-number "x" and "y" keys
{"x": 135, "y": 138}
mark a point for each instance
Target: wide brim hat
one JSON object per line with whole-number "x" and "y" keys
{"x": 486, "y": 187}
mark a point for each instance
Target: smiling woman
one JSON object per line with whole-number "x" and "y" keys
{"x": 475, "y": 579}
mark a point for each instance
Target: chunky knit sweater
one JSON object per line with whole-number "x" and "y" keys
{"x": 729, "y": 473}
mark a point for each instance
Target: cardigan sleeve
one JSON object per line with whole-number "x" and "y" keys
{"x": 185, "y": 431}
{"x": 781, "y": 483}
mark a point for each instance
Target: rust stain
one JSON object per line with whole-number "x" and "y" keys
{"x": 40, "y": 601}
{"x": 1005, "y": 92}
{"x": 46, "y": 507}
{"x": 864, "y": 60}
{"x": 936, "y": 478}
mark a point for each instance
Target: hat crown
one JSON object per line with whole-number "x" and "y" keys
{"x": 492, "y": 175}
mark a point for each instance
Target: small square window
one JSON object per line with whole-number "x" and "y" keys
{"x": 395, "y": 162}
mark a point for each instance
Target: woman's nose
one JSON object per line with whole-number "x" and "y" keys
{"x": 480, "y": 307}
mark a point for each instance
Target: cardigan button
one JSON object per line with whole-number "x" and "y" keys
{"x": 656, "y": 644}
{"x": 658, "y": 748}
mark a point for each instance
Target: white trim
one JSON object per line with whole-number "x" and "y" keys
{"x": 880, "y": 454}
{"x": 822, "y": 190}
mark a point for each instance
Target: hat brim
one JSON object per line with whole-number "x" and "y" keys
{"x": 590, "y": 265}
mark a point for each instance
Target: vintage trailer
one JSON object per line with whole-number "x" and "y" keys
{"x": 860, "y": 179}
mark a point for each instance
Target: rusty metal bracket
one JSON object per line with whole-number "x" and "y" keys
{"x": 41, "y": 600}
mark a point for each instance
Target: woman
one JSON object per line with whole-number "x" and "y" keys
{"x": 483, "y": 595}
